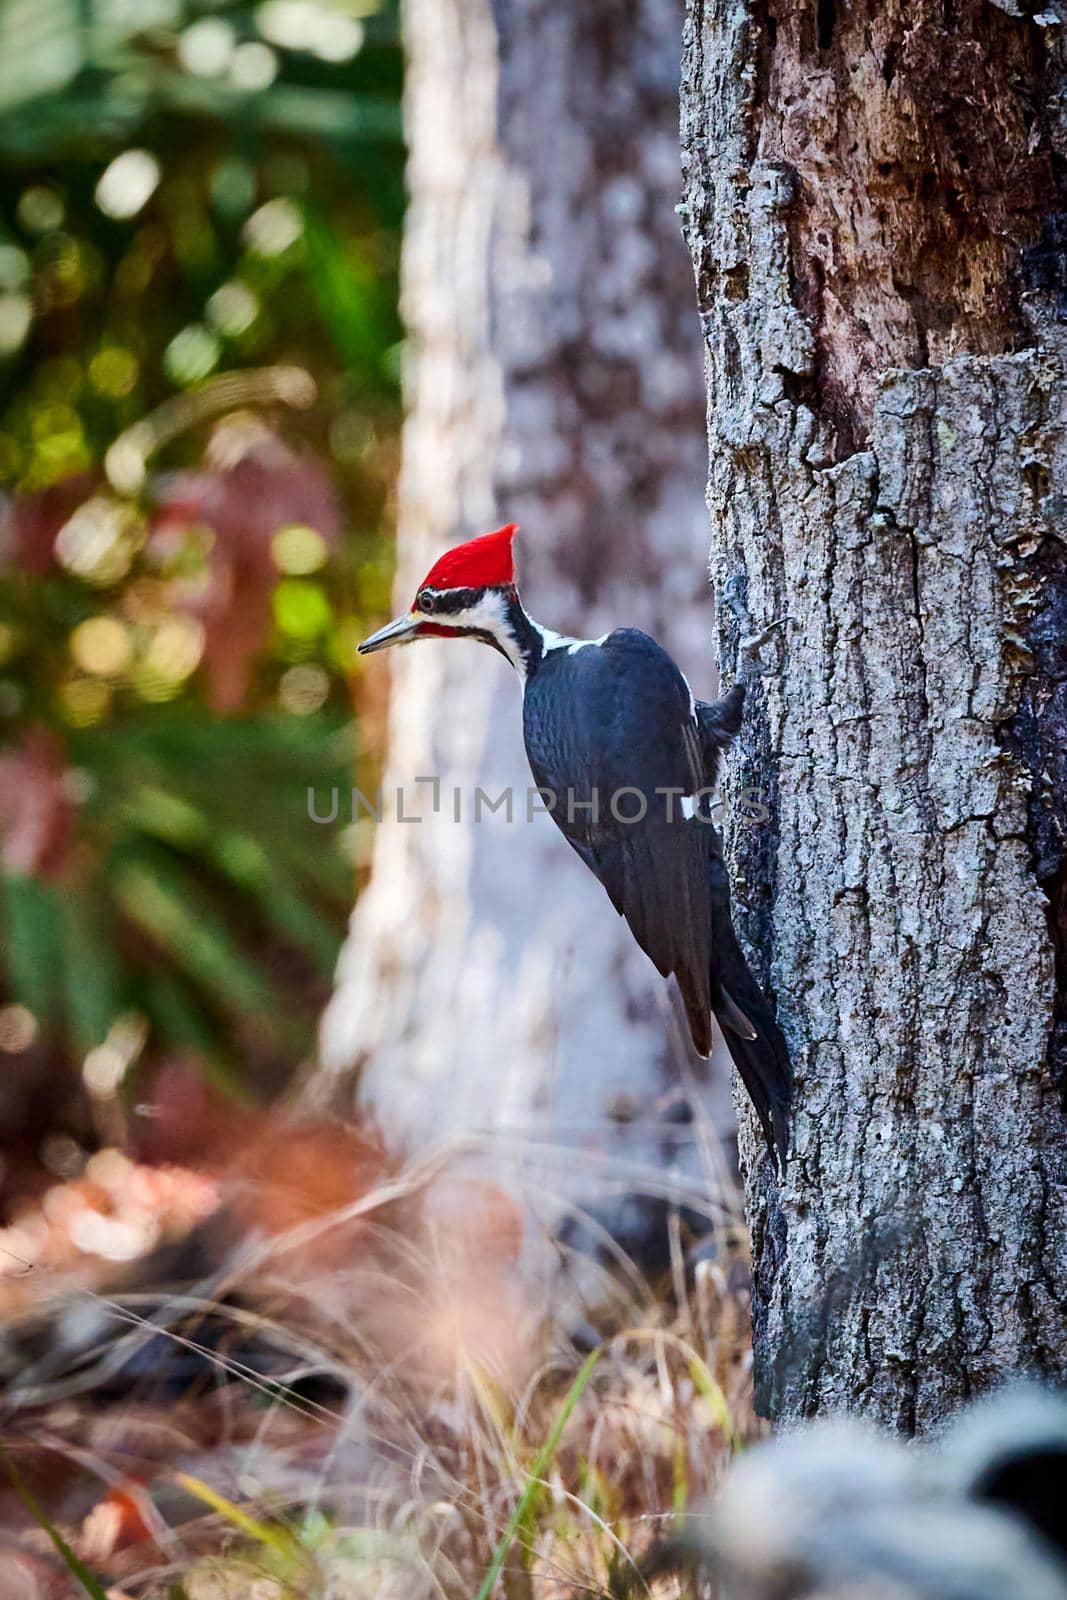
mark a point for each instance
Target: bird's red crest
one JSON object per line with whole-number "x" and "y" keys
{"x": 485, "y": 562}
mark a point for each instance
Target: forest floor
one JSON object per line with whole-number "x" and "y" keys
{"x": 305, "y": 1372}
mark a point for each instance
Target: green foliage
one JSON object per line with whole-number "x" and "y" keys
{"x": 205, "y": 902}
{"x": 199, "y": 226}
{"x": 524, "y": 1515}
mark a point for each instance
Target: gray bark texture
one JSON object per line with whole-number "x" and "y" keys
{"x": 875, "y": 228}
{"x": 554, "y": 380}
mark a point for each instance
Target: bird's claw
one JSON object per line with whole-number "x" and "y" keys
{"x": 751, "y": 645}
{"x": 734, "y": 598}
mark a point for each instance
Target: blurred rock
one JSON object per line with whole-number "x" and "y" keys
{"x": 838, "y": 1509}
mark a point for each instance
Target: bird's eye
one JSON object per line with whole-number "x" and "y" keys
{"x": 427, "y": 602}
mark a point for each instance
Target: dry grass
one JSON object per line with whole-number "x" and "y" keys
{"x": 418, "y": 1393}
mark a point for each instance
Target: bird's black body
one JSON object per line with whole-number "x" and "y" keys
{"x": 620, "y": 746}
{"x": 627, "y": 760}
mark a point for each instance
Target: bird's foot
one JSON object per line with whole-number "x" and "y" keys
{"x": 753, "y": 643}
{"x": 751, "y": 639}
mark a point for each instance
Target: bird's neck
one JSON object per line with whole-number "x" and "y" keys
{"x": 508, "y": 627}
{"x": 520, "y": 638}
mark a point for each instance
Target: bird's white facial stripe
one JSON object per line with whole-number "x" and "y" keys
{"x": 489, "y": 615}
{"x": 689, "y": 807}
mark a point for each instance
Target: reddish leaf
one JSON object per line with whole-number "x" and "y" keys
{"x": 114, "y": 1522}
{"x": 29, "y": 523}
{"x": 36, "y": 811}
{"x": 252, "y": 485}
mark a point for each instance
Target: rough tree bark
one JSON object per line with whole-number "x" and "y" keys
{"x": 873, "y": 215}
{"x": 555, "y": 380}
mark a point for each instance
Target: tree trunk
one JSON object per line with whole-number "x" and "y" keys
{"x": 868, "y": 188}
{"x": 555, "y": 379}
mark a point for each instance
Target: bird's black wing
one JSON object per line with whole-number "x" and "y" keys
{"x": 752, "y": 1034}
{"x": 618, "y": 720}
{"x": 606, "y": 727}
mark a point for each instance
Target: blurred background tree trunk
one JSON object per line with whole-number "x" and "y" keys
{"x": 877, "y": 233}
{"x": 554, "y": 379}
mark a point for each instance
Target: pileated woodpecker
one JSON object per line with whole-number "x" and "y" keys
{"x": 626, "y": 757}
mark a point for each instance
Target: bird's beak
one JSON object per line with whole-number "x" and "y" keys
{"x": 402, "y": 631}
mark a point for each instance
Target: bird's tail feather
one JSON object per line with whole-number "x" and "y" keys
{"x": 759, "y": 1051}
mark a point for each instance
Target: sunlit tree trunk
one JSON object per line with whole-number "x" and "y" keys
{"x": 554, "y": 380}
{"x": 871, "y": 194}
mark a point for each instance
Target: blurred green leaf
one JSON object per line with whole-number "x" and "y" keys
{"x": 93, "y": 984}
{"x": 183, "y": 1022}
{"x": 166, "y": 905}
{"x": 33, "y": 943}
{"x": 301, "y": 609}
{"x": 349, "y": 294}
